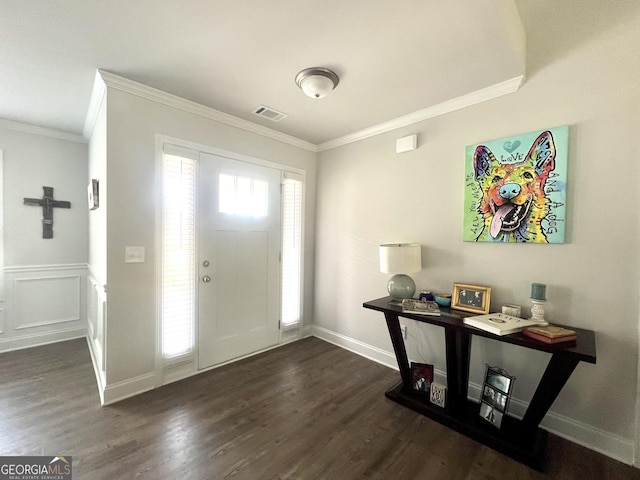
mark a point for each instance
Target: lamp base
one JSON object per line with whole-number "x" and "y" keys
{"x": 401, "y": 286}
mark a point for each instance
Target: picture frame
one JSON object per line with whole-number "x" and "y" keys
{"x": 438, "y": 394}
{"x": 495, "y": 395}
{"x": 421, "y": 377}
{"x": 471, "y": 298}
{"x": 93, "y": 194}
{"x": 491, "y": 164}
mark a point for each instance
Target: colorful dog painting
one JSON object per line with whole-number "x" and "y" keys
{"x": 519, "y": 198}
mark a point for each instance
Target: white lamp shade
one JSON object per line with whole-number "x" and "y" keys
{"x": 400, "y": 258}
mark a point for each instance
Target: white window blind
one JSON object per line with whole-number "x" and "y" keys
{"x": 291, "y": 249}
{"x": 178, "y": 258}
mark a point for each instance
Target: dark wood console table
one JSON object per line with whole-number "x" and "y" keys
{"x": 522, "y": 440}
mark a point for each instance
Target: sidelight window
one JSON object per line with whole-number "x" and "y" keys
{"x": 291, "y": 249}
{"x": 178, "y": 258}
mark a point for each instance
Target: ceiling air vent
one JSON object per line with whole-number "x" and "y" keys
{"x": 269, "y": 113}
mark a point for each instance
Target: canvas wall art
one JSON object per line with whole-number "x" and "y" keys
{"x": 516, "y": 188}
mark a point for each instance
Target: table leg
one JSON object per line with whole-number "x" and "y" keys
{"x": 393, "y": 324}
{"x": 555, "y": 376}
{"x": 458, "y": 345}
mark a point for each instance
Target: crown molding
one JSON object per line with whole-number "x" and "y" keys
{"x": 106, "y": 79}
{"x": 150, "y": 93}
{"x": 42, "y": 131}
{"x": 473, "y": 98}
{"x": 95, "y": 103}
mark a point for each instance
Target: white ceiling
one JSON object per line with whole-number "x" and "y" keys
{"x": 393, "y": 57}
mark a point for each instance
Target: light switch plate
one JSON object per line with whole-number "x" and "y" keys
{"x": 134, "y": 254}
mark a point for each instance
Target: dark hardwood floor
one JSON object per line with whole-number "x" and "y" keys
{"x": 308, "y": 410}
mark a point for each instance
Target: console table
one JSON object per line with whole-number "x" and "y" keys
{"x": 522, "y": 440}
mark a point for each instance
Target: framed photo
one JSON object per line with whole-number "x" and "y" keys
{"x": 471, "y": 298}
{"x": 93, "y": 194}
{"x": 421, "y": 377}
{"x": 496, "y": 392}
{"x": 438, "y": 394}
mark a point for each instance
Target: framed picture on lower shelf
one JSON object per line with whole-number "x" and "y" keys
{"x": 496, "y": 392}
{"x": 438, "y": 394}
{"x": 421, "y": 377}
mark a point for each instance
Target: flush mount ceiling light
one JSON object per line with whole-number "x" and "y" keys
{"x": 317, "y": 82}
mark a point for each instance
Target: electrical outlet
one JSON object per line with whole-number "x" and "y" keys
{"x": 403, "y": 329}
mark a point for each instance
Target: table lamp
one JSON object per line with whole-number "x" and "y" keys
{"x": 400, "y": 259}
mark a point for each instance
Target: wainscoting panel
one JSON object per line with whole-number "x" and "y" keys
{"x": 96, "y": 334}
{"x": 44, "y": 304}
{"x": 58, "y": 300}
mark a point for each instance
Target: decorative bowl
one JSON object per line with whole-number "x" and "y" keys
{"x": 443, "y": 299}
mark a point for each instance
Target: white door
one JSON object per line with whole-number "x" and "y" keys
{"x": 238, "y": 250}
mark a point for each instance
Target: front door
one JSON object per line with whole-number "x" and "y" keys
{"x": 238, "y": 250}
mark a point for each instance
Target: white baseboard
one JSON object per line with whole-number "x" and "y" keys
{"x": 38, "y": 339}
{"x": 307, "y": 331}
{"x": 356, "y": 346}
{"x": 593, "y": 438}
{"x": 129, "y": 388}
{"x": 100, "y": 380}
{"x": 601, "y": 441}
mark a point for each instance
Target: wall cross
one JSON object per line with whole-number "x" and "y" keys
{"x": 48, "y": 204}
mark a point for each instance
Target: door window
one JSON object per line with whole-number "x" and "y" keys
{"x": 242, "y": 196}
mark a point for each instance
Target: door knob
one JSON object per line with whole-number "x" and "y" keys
{"x": 206, "y": 279}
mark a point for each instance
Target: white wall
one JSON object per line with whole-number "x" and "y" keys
{"x": 368, "y": 195}
{"x": 132, "y": 125}
{"x": 45, "y": 278}
{"x": 97, "y": 167}
{"x": 31, "y": 162}
{"x": 97, "y": 263}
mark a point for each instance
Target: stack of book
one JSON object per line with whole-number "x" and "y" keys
{"x": 420, "y": 307}
{"x": 550, "y": 334}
